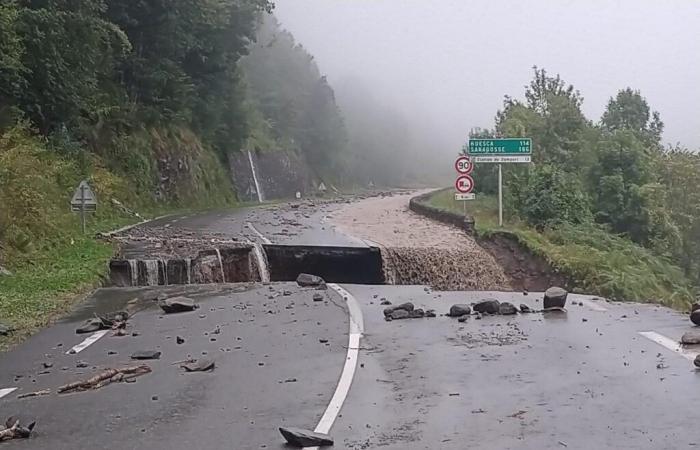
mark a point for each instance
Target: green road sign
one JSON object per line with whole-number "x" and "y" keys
{"x": 500, "y": 150}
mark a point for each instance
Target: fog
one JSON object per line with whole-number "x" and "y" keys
{"x": 445, "y": 65}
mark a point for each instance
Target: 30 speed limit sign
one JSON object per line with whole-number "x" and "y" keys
{"x": 464, "y": 184}
{"x": 464, "y": 165}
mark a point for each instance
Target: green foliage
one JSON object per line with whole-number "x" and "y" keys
{"x": 630, "y": 111}
{"x": 548, "y": 196}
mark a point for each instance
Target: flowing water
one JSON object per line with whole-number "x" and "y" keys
{"x": 152, "y": 271}
{"x": 254, "y": 170}
{"x": 221, "y": 265}
{"x": 188, "y": 266}
{"x": 262, "y": 263}
{"x": 134, "y": 272}
{"x": 164, "y": 263}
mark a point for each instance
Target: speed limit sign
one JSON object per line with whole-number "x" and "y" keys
{"x": 464, "y": 184}
{"x": 464, "y": 165}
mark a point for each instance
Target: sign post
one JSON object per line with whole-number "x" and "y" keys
{"x": 465, "y": 183}
{"x": 84, "y": 200}
{"x": 499, "y": 151}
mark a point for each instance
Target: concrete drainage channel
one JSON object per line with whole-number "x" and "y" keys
{"x": 248, "y": 262}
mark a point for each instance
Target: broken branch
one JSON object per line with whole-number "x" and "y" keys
{"x": 104, "y": 378}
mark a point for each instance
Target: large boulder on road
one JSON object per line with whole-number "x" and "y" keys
{"x": 555, "y": 297}
{"x": 695, "y": 317}
{"x": 408, "y": 307}
{"x": 298, "y": 437}
{"x": 507, "y": 309}
{"x": 488, "y": 306}
{"x": 691, "y": 338}
{"x": 177, "y": 305}
{"x": 459, "y": 310}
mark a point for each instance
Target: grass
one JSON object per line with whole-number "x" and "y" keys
{"x": 597, "y": 262}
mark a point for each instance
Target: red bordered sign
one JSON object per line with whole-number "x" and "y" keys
{"x": 464, "y": 165}
{"x": 464, "y": 184}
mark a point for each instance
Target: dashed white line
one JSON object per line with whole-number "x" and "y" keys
{"x": 341, "y": 391}
{"x": 259, "y": 234}
{"x": 670, "y": 344}
{"x": 94, "y": 337}
{"x": 5, "y": 391}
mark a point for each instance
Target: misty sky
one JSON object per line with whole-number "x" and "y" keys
{"x": 453, "y": 60}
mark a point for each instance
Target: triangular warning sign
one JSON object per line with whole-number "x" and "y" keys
{"x": 322, "y": 187}
{"x": 84, "y": 195}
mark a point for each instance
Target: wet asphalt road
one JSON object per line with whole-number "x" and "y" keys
{"x": 583, "y": 379}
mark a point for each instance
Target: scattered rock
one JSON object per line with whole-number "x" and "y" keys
{"x": 298, "y": 437}
{"x": 489, "y": 306}
{"x": 286, "y": 293}
{"x": 695, "y": 317}
{"x": 81, "y": 364}
{"x": 430, "y": 313}
{"x": 555, "y": 297}
{"x": 177, "y": 305}
{"x": 416, "y": 314}
{"x": 507, "y": 309}
{"x": 47, "y": 364}
{"x": 146, "y": 354}
{"x": 323, "y": 341}
{"x": 459, "y": 310}
{"x": 385, "y": 302}
{"x": 179, "y": 340}
{"x": 408, "y": 307}
{"x": 697, "y": 361}
{"x": 202, "y": 365}
{"x": 308, "y": 280}
{"x": 399, "y": 314}
{"x": 525, "y": 309}
{"x": 90, "y": 326}
{"x": 694, "y": 307}
{"x": 691, "y": 338}
{"x": 5, "y": 329}
{"x": 464, "y": 318}
{"x": 317, "y": 297}
{"x": 16, "y": 428}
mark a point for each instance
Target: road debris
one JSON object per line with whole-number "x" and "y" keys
{"x": 202, "y": 365}
{"x": 104, "y": 378}
{"x": 696, "y": 361}
{"x": 90, "y": 326}
{"x": 524, "y": 309}
{"x": 507, "y": 309}
{"x": 146, "y": 354}
{"x": 408, "y": 307}
{"x": 179, "y": 340}
{"x": 555, "y": 297}
{"x": 308, "y": 280}
{"x": 459, "y": 310}
{"x": 34, "y": 394}
{"x": 317, "y": 297}
{"x": 177, "y": 305}
{"x": 488, "y": 306}
{"x": 298, "y": 437}
{"x": 13, "y": 429}
{"x": 691, "y": 338}
{"x": 695, "y": 315}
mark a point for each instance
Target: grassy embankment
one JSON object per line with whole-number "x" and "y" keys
{"x": 53, "y": 264}
{"x": 596, "y": 261}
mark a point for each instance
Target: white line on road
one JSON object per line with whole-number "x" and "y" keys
{"x": 670, "y": 344}
{"x": 5, "y": 391}
{"x": 341, "y": 391}
{"x": 260, "y": 235}
{"x": 94, "y": 337}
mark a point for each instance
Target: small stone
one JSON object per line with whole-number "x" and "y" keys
{"x": 459, "y": 310}
{"x": 177, "y": 305}
{"x": 111, "y": 352}
{"x": 463, "y": 318}
{"x": 47, "y": 365}
{"x": 697, "y": 361}
{"x": 308, "y": 280}
{"x": 179, "y": 340}
{"x": 385, "y": 302}
{"x": 298, "y": 437}
{"x": 555, "y": 297}
{"x": 135, "y": 333}
{"x": 323, "y": 341}
{"x": 507, "y": 309}
{"x": 525, "y": 309}
{"x": 488, "y": 306}
{"x": 146, "y": 354}
{"x": 430, "y": 313}
{"x": 81, "y": 364}
{"x": 317, "y": 297}
{"x": 202, "y": 365}
{"x": 154, "y": 398}
{"x": 286, "y": 293}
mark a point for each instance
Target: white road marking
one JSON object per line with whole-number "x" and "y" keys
{"x": 94, "y": 337}
{"x": 670, "y": 344}
{"x": 341, "y": 391}
{"x": 259, "y": 234}
{"x": 594, "y": 305}
{"x": 5, "y": 391}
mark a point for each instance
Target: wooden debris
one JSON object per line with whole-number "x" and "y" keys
{"x": 104, "y": 378}
{"x": 14, "y": 430}
{"x": 34, "y": 394}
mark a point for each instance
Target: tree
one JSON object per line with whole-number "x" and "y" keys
{"x": 12, "y": 71}
{"x": 630, "y": 111}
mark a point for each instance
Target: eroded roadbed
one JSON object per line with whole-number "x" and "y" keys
{"x": 278, "y": 356}
{"x": 582, "y": 379}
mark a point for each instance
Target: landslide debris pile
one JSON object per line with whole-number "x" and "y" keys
{"x": 442, "y": 269}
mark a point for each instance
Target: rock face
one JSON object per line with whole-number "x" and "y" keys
{"x": 408, "y": 307}
{"x": 489, "y": 306}
{"x": 308, "y": 280}
{"x": 298, "y": 437}
{"x": 177, "y": 305}
{"x": 459, "y": 310}
{"x": 555, "y": 297}
{"x": 507, "y": 309}
{"x": 691, "y": 338}
{"x": 695, "y": 317}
